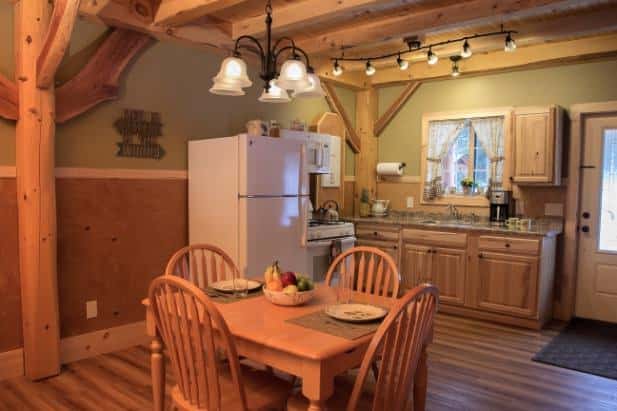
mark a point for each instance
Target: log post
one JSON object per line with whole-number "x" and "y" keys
{"x": 366, "y": 159}
{"x": 36, "y": 195}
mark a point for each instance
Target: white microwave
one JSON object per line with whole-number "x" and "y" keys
{"x": 318, "y": 147}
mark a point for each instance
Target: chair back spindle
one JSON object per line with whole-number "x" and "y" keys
{"x": 202, "y": 264}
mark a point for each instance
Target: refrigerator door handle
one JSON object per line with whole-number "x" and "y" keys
{"x": 303, "y": 174}
{"x": 303, "y": 203}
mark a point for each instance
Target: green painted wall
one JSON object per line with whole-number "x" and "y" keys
{"x": 564, "y": 85}
{"x": 168, "y": 78}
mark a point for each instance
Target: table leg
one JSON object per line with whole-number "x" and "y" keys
{"x": 157, "y": 365}
{"x": 420, "y": 383}
{"x": 317, "y": 386}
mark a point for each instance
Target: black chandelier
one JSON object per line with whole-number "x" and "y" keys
{"x": 295, "y": 75}
{"x": 414, "y": 46}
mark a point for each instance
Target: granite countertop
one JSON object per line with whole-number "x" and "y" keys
{"x": 540, "y": 227}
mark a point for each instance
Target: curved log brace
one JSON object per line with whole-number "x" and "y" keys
{"x": 56, "y": 41}
{"x": 99, "y": 79}
{"x": 8, "y": 99}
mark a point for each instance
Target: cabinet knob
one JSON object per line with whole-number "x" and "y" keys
{"x": 586, "y": 215}
{"x": 585, "y": 229}
{"x": 480, "y": 255}
{"x": 375, "y": 233}
{"x": 507, "y": 245}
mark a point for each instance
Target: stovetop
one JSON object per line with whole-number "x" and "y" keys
{"x": 325, "y": 229}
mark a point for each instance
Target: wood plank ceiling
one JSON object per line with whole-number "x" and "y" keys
{"x": 361, "y": 27}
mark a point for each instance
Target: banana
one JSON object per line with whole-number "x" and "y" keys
{"x": 273, "y": 272}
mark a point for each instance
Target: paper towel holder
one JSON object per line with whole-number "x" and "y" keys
{"x": 385, "y": 177}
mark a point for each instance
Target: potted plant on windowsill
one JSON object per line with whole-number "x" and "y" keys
{"x": 467, "y": 184}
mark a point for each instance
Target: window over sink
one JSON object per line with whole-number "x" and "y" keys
{"x": 463, "y": 156}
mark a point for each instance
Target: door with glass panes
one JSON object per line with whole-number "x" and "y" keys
{"x": 596, "y": 296}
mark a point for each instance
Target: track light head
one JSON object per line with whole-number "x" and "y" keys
{"x": 431, "y": 57}
{"x": 370, "y": 69}
{"x": 466, "y": 51}
{"x": 402, "y": 64}
{"x": 337, "y": 69}
{"x": 455, "y": 70}
{"x": 510, "y": 44}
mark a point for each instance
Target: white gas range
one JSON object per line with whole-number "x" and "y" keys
{"x": 325, "y": 239}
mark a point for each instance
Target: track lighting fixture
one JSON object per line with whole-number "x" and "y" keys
{"x": 466, "y": 51}
{"x": 510, "y": 43}
{"x": 337, "y": 69}
{"x": 414, "y": 46}
{"x": 402, "y": 64}
{"x": 455, "y": 71}
{"x": 431, "y": 57}
{"x": 370, "y": 69}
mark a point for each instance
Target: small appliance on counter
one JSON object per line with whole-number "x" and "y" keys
{"x": 501, "y": 205}
{"x": 379, "y": 208}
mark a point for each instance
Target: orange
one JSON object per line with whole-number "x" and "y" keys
{"x": 275, "y": 285}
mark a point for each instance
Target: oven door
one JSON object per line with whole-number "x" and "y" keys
{"x": 320, "y": 256}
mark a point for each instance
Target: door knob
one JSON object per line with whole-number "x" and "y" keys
{"x": 585, "y": 229}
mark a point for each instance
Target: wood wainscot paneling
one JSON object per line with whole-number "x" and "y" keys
{"x": 114, "y": 236}
{"x": 10, "y": 294}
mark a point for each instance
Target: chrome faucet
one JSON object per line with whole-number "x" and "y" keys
{"x": 453, "y": 211}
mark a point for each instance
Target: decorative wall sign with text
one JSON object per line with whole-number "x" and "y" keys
{"x": 139, "y": 130}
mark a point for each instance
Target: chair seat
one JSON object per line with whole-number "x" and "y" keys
{"x": 264, "y": 391}
{"x": 343, "y": 386}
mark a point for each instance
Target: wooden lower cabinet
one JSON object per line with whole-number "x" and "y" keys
{"x": 389, "y": 247}
{"x": 443, "y": 267}
{"x": 507, "y": 284}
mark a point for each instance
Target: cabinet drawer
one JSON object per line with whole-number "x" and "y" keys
{"x": 379, "y": 233}
{"x": 509, "y": 244}
{"x": 440, "y": 238}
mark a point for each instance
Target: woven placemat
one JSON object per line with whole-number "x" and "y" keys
{"x": 218, "y": 297}
{"x": 320, "y": 321}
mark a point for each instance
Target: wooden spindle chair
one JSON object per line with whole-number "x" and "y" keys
{"x": 193, "y": 330}
{"x": 401, "y": 340}
{"x": 202, "y": 264}
{"x": 373, "y": 271}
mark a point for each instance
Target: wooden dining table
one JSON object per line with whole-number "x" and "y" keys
{"x": 262, "y": 334}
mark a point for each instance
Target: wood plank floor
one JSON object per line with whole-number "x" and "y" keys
{"x": 473, "y": 366}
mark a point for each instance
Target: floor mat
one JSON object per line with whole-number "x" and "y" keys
{"x": 584, "y": 345}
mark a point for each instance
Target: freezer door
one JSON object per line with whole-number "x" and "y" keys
{"x": 271, "y": 167}
{"x": 273, "y": 229}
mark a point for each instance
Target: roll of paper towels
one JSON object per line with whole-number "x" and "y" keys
{"x": 390, "y": 169}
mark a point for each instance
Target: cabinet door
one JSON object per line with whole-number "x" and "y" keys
{"x": 416, "y": 266}
{"x": 388, "y": 247}
{"x": 507, "y": 283}
{"x": 534, "y": 145}
{"x": 448, "y": 274}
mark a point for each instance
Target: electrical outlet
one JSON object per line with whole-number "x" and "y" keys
{"x": 91, "y": 309}
{"x": 553, "y": 209}
{"x": 409, "y": 202}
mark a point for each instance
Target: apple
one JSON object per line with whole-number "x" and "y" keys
{"x": 288, "y": 278}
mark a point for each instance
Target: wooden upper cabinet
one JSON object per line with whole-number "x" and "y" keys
{"x": 537, "y": 148}
{"x": 507, "y": 284}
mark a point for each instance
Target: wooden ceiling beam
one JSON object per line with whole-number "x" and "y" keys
{"x": 9, "y": 100}
{"x": 459, "y": 14}
{"x": 99, "y": 79}
{"x": 301, "y": 13}
{"x": 541, "y": 55}
{"x": 391, "y": 112}
{"x": 56, "y": 41}
{"x": 178, "y": 12}
{"x": 204, "y": 34}
{"x": 335, "y": 104}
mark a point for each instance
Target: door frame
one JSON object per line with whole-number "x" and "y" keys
{"x": 563, "y": 308}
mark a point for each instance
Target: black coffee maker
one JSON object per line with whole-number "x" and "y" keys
{"x": 502, "y": 206}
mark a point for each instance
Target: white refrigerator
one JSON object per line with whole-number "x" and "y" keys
{"x": 250, "y": 196}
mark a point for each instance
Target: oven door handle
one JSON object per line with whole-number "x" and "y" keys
{"x": 322, "y": 243}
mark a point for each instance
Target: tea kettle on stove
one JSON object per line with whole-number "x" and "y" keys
{"x": 330, "y": 210}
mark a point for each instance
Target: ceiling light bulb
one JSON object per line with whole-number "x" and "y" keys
{"x": 455, "y": 71}
{"x": 431, "y": 57}
{"x": 370, "y": 69}
{"x": 402, "y": 64}
{"x": 510, "y": 43}
{"x": 274, "y": 94}
{"x": 313, "y": 90}
{"x": 466, "y": 52}
{"x": 293, "y": 75}
{"x": 231, "y": 76}
{"x": 337, "y": 69}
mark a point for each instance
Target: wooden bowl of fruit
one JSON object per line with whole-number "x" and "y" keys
{"x": 287, "y": 288}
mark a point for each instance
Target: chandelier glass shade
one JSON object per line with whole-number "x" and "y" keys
{"x": 296, "y": 73}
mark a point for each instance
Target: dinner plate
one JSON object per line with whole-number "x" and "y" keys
{"x": 356, "y": 313}
{"x": 227, "y": 286}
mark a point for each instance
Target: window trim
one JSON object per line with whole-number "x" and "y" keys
{"x": 462, "y": 200}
